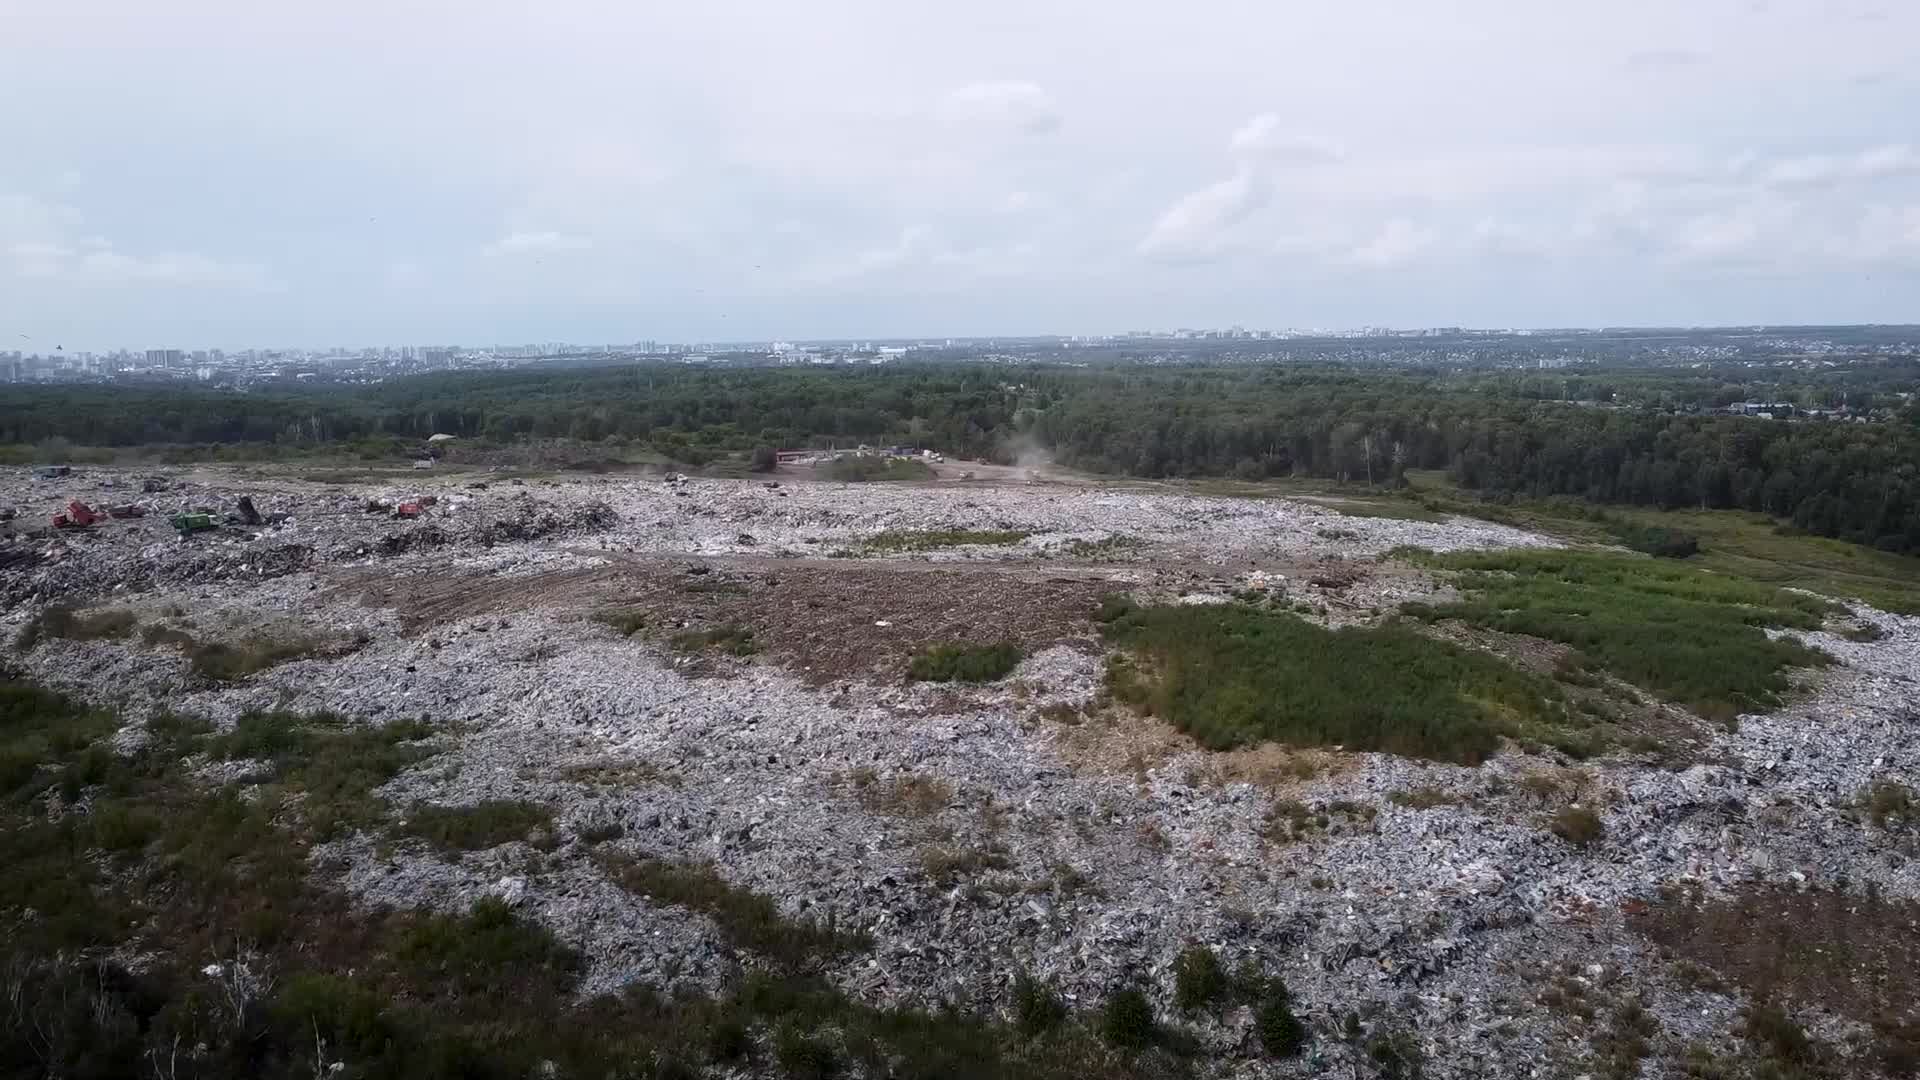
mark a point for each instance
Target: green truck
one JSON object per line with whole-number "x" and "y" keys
{"x": 193, "y": 523}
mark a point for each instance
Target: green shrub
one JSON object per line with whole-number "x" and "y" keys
{"x": 1126, "y": 1019}
{"x": 965, "y": 663}
{"x": 1198, "y": 979}
{"x": 1657, "y": 540}
{"x": 1036, "y": 1006}
{"x": 481, "y": 825}
{"x": 1281, "y": 1033}
{"x": 1397, "y": 1055}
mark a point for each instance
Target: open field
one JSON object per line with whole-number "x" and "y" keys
{"x": 1012, "y": 777}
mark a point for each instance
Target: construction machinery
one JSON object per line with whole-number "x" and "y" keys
{"x": 78, "y": 515}
{"x": 193, "y": 523}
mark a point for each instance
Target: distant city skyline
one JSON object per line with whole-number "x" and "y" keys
{"x": 223, "y": 173}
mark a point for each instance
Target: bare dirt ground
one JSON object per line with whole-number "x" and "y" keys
{"x": 536, "y": 624}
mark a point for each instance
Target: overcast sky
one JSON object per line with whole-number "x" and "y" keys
{"x": 235, "y": 173}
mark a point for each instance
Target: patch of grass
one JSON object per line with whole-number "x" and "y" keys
{"x": 948, "y": 866}
{"x": 1231, "y": 675}
{"x": 1693, "y": 637}
{"x": 63, "y": 621}
{"x": 475, "y": 954}
{"x": 625, "y": 621}
{"x": 478, "y": 826}
{"x": 1578, "y": 825}
{"x": 749, "y": 920}
{"x": 1104, "y": 548}
{"x": 1888, "y": 803}
{"x": 1425, "y": 798}
{"x": 732, "y": 639}
{"x": 804, "y": 1056}
{"x": 335, "y": 763}
{"x": 860, "y": 470}
{"x": 220, "y": 661}
{"x": 904, "y": 540}
{"x": 965, "y": 663}
{"x": 904, "y": 795}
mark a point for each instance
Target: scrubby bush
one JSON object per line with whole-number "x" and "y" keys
{"x": 1036, "y": 1006}
{"x": 1578, "y": 825}
{"x": 1281, "y": 1032}
{"x": 1198, "y": 979}
{"x": 1126, "y": 1020}
{"x": 965, "y": 663}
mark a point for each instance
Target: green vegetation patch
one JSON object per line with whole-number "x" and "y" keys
{"x": 1232, "y": 675}
{"x": 1690, "y": 636}
{"x": 335, "y": 763}
{"x": 62, "y": 621}
{"x": 625, "y": 621}
{"x": 934, "y": 539}
{"x": 481, "y": 825}
{"x": 965, "y": 663}
{"x": 750, "y": 921}
{"x": 862, "y": 470}
{"x": 732, "y": 639}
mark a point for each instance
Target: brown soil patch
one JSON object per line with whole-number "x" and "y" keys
{"x": 819, "y": 617}
{"x": 1117, "y": 740}
{"x": 1858, "y": 955}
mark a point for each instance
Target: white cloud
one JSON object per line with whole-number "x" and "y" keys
{"x": 1397, "y": 243}
{"x": 1261, "y": 139}
{"x": 1663, "y": 60}
{"x": 539, "y": 242}
{"x": 1874, "y": 163}
{"x": 1201, "y": 224}
{"x": 38, "y": 242}
{"x": 1022, "y": 106}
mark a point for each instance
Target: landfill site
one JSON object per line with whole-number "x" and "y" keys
{"x": 981, "y": 832}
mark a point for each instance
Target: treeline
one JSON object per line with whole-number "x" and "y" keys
{"x": 1860, "y": 482}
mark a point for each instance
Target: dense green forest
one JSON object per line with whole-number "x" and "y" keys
{"x": 1502, "y": 435}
